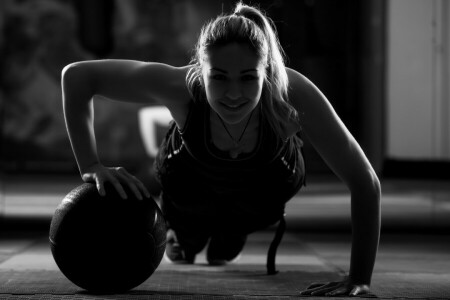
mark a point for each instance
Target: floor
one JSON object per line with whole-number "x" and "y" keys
{"x": 413, "y": 260}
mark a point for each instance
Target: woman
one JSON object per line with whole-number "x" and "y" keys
{"x": 232, "y": 158}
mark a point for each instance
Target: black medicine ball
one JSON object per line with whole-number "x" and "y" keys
{"x": 107, "y": 244}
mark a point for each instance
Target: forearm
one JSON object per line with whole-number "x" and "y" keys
{"x": 365, "y": 211}
{"x": 79, "y": 117}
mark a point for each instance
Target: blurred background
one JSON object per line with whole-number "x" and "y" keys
{"x": 383, "y": 64}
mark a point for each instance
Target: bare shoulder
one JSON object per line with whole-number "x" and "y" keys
{"x": 306, "y": 97}
{"x": 299, "y": 91}
{"x": 171, "y": 80}
{"x": 163, "y": 83}
{"x": 167, "y": 86}
{"x": 300, "y": 87}
{"x": 149, "y": 83}
{"x": 329, "y": 135}
{"x": 133, "y": 81}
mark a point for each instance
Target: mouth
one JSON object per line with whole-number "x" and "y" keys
{"x": 233, "y": 107}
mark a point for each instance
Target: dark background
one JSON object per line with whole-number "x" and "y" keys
{"x": 334, "y": 43}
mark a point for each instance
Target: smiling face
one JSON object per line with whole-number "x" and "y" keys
{"x": 233, "y": 78}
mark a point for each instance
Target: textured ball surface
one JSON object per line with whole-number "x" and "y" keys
{"x": 107, "y": 244}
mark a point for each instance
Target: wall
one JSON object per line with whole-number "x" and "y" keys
{"x": 417, "y": 87}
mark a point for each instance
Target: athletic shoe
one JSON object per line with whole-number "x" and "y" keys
{"x": 174, "y": 252}
{"x": 223, "y": 250}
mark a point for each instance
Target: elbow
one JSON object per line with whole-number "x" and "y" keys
{"x": 71, "y": 72}
{"x": 366, "y": 201}
{"x": 368, "y": 186}
{"x": 76, "y": 82}
{"x": 375, "y": 185}
{"x": 66, "y": 70}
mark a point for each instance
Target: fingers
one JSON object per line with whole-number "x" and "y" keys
{"x": 119, "y": 178}
{"x": 327, "y": 290}
{"x": 349, "y": 290}
{"x": 100, "y": 188}
{"x": 335, "y": 289}
{"x": 135, "y": 185}
{"x": 142, "y": 187}
{"x": 100, "y": 181}
{"x": 93, "y": 178}
{"x": 343, "y": 290}
{"x": 320, "y": 288}
{"x": 315, "y": 285}
{"x": 116, "y": 184}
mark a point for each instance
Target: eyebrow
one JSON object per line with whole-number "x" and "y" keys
{"x": 243, "y": 71}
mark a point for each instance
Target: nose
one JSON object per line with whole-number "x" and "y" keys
{"x": 234, "y": 91}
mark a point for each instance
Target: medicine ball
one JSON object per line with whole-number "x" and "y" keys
{"x": 107, "y": 244}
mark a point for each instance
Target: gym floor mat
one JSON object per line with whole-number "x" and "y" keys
{"x": 29, "y": 272}
{"x": 203, "y": 282}
{"x": 170, "y": 283}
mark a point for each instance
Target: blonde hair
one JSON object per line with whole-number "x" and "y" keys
{"x": 248, "y": 25}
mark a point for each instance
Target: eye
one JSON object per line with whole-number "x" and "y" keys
{"x": 218, "y": 77}
{"x": 249, "y": 77}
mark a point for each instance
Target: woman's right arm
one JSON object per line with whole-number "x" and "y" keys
{"x": 120, "y": 80}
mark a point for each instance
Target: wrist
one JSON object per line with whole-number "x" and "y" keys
{"x": 88, "y": 167}
{"x": 358, "y": 280}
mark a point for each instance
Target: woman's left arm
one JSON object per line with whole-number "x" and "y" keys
{"x": 342, "y": 153}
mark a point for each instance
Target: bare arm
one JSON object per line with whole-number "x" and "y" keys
{"x": 120, "y": 80}
{"x": 344, "y": 156}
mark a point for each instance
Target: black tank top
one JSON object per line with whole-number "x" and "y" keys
{"x": 196, "y": 175}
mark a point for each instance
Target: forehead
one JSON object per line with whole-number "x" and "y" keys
{"x": 233, "y": 57}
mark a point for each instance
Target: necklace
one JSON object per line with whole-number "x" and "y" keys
{"x": 235, "y": 151}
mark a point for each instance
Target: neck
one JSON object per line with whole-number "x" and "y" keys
{"x": 237, "y": 138}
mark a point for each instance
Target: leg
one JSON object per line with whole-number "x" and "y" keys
{"x": 187, "y": 233}
{"x": 232, "y": 227}
{"x": 224, "y": 248}
{"x": 181, "y": 249}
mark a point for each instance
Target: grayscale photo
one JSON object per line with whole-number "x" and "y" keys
{"x": 218, "y": 149}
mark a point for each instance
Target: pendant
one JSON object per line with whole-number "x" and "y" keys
{"x": 234, "y": 152}
{"x": 236, "y": 149}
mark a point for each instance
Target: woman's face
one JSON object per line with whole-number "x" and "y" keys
{"x": 233, "y": 77}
